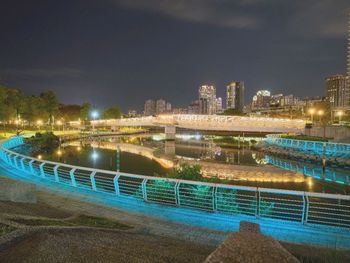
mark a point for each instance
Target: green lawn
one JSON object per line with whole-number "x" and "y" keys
{"x": 4, "y": 229}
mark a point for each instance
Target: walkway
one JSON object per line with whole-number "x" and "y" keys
{"x": 192, "y": 225}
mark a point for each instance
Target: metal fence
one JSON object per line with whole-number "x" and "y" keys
{"x": 327, "y": 148}
{"x": 302, "y": 207}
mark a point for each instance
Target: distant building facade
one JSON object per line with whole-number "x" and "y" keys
{"x": 207, "y": 99}
{"x": 235, "y": 95}
{"x": 219, "y": 108}
{"x": 150, "y": 108}
{"x": 261, "y": 100}
{"x": 160, "y": 106}
{"x": 193, "y": 108}
{"x": 336, "y": 91}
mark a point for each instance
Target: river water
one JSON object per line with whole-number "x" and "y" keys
{"x": 234, "y": 164}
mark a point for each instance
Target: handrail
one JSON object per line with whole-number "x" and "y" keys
{"x": 287, "y": 205}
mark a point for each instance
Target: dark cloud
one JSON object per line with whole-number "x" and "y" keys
{"x": 222, "y": 12}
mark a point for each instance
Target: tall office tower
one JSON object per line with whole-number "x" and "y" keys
{"x": 261, "y": 100}
{"x": 235, "y": 95}
{"x": 347, "y": 88}
{"x": 219, "y": 108}
{"x": 150, "y": 107}
{"x": 207, "y": 99}
{"x": 160, "y": 106}
{"x": 335, "y": 91}
{"x": 168, "y": 107}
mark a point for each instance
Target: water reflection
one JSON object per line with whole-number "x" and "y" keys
{"x": 143, "y": 155}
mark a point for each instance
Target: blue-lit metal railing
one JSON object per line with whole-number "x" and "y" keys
{"x": 327, "y": 148}
{"x": 309, "y": 169}
{"x": 302, "y": 207}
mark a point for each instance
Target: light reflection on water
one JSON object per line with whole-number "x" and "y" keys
{"x": 243, "y": 166}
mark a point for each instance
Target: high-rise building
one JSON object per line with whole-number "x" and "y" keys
{"x": 160, "y": 106}
{"x": 335, "y": 91}
{"x": 207, "y": 99}
{"x": 235, "y": 95}
{"x": 219, "y": 105}
{"x": 150, "y": 107}
{"x": 261, "y": 100}
{"x": 168, "y": 107}
{"x": 193, "y": 108}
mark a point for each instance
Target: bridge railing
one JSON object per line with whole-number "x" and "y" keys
{"x": 296, "y": 206}
{"x": 315, "y": 146}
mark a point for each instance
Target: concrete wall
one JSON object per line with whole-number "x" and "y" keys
{"x": 336, "y": 133}
{"x": 15, "y": 191}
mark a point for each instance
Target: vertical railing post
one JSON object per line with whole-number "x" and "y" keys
{"x": 55, "y": 173}
{"x": 307, "y": 205}
{"x": 31, "y": 168}
{"x": 15, "y": 161}
{"x": 258, "y": 201}
{"x": 72, "y": 177}
{"x": 177, "y": 194}
{"x": 42, "y": 171}
{"x": 214, "y": 197}
{"x": 93, "y": 182}
{"x": 116, "y": 184}
{"x": 144, "y": 189}
{"x": 22, "y": 164}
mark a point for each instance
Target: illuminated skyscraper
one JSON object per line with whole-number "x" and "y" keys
{"x": 207, "y": 99}
{"x": 235, "y": 95}
{"x": 335, "y": 91}
{"x": 150, "y": 107}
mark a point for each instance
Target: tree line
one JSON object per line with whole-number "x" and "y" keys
{"x": 15, "y": 107}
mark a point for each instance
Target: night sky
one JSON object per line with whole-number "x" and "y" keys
{"x": 122, "y": 52}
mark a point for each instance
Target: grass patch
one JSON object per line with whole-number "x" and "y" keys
{"x": 4, "y": 229}
{"x": 81, "y": 220}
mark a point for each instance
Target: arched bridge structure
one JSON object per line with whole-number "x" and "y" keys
{"x": 209, "y": 123}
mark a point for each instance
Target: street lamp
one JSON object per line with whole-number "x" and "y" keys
{"x": 94, "y": 116}
{"x": 312, "y": 112}
{"x": 340, "y": 114}
{"x": 39, "y": 123}
{"x": 320, "y": 113}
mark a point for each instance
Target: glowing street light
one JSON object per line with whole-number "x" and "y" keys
{"x": 340, "y": 114}
{"x": 94, "y": 116}
{"x": 312, "y": 112}
{"x": 320, "y": 113}
{"x": 39, "y": 123}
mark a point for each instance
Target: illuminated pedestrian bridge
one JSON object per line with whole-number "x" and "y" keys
{"x": 208, "y": 123}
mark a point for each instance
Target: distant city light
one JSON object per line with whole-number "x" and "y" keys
{"x": 94, "y": 114}
{"x": 39, "y": 122}
{"x": 311, "y": 111}
{"x": 59, "y": 152}
{"x": 59, "y": 122}
{"x": 94, "y": 155}
{"x": 40, "y": 156}
{"x": 78, "y": 148}
{"x": 320, "y": 112}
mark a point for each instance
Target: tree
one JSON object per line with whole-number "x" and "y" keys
{"x": 233, "y": 112}
{"x": 33, "y": 109}
{"x": 112, "y": 113}
{"x": 70, "y": 112}
{"x": 50, "y": 105}
{"x": 85, "y": 111}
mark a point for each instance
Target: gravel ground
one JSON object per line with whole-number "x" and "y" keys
{"x": 79, "y": 245}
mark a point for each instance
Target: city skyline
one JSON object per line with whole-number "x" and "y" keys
{"x": 88, "y": 58}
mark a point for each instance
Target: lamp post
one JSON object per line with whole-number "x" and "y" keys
{"x": 94, "y": 116}
{"x": 320, "y": 114}
{"x": 340, "y": 114}
{"x": 312, "y": 112}
{"x": 39, "y": 123}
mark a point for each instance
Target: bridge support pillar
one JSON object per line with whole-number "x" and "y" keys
{"x": 170, "y": 131}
